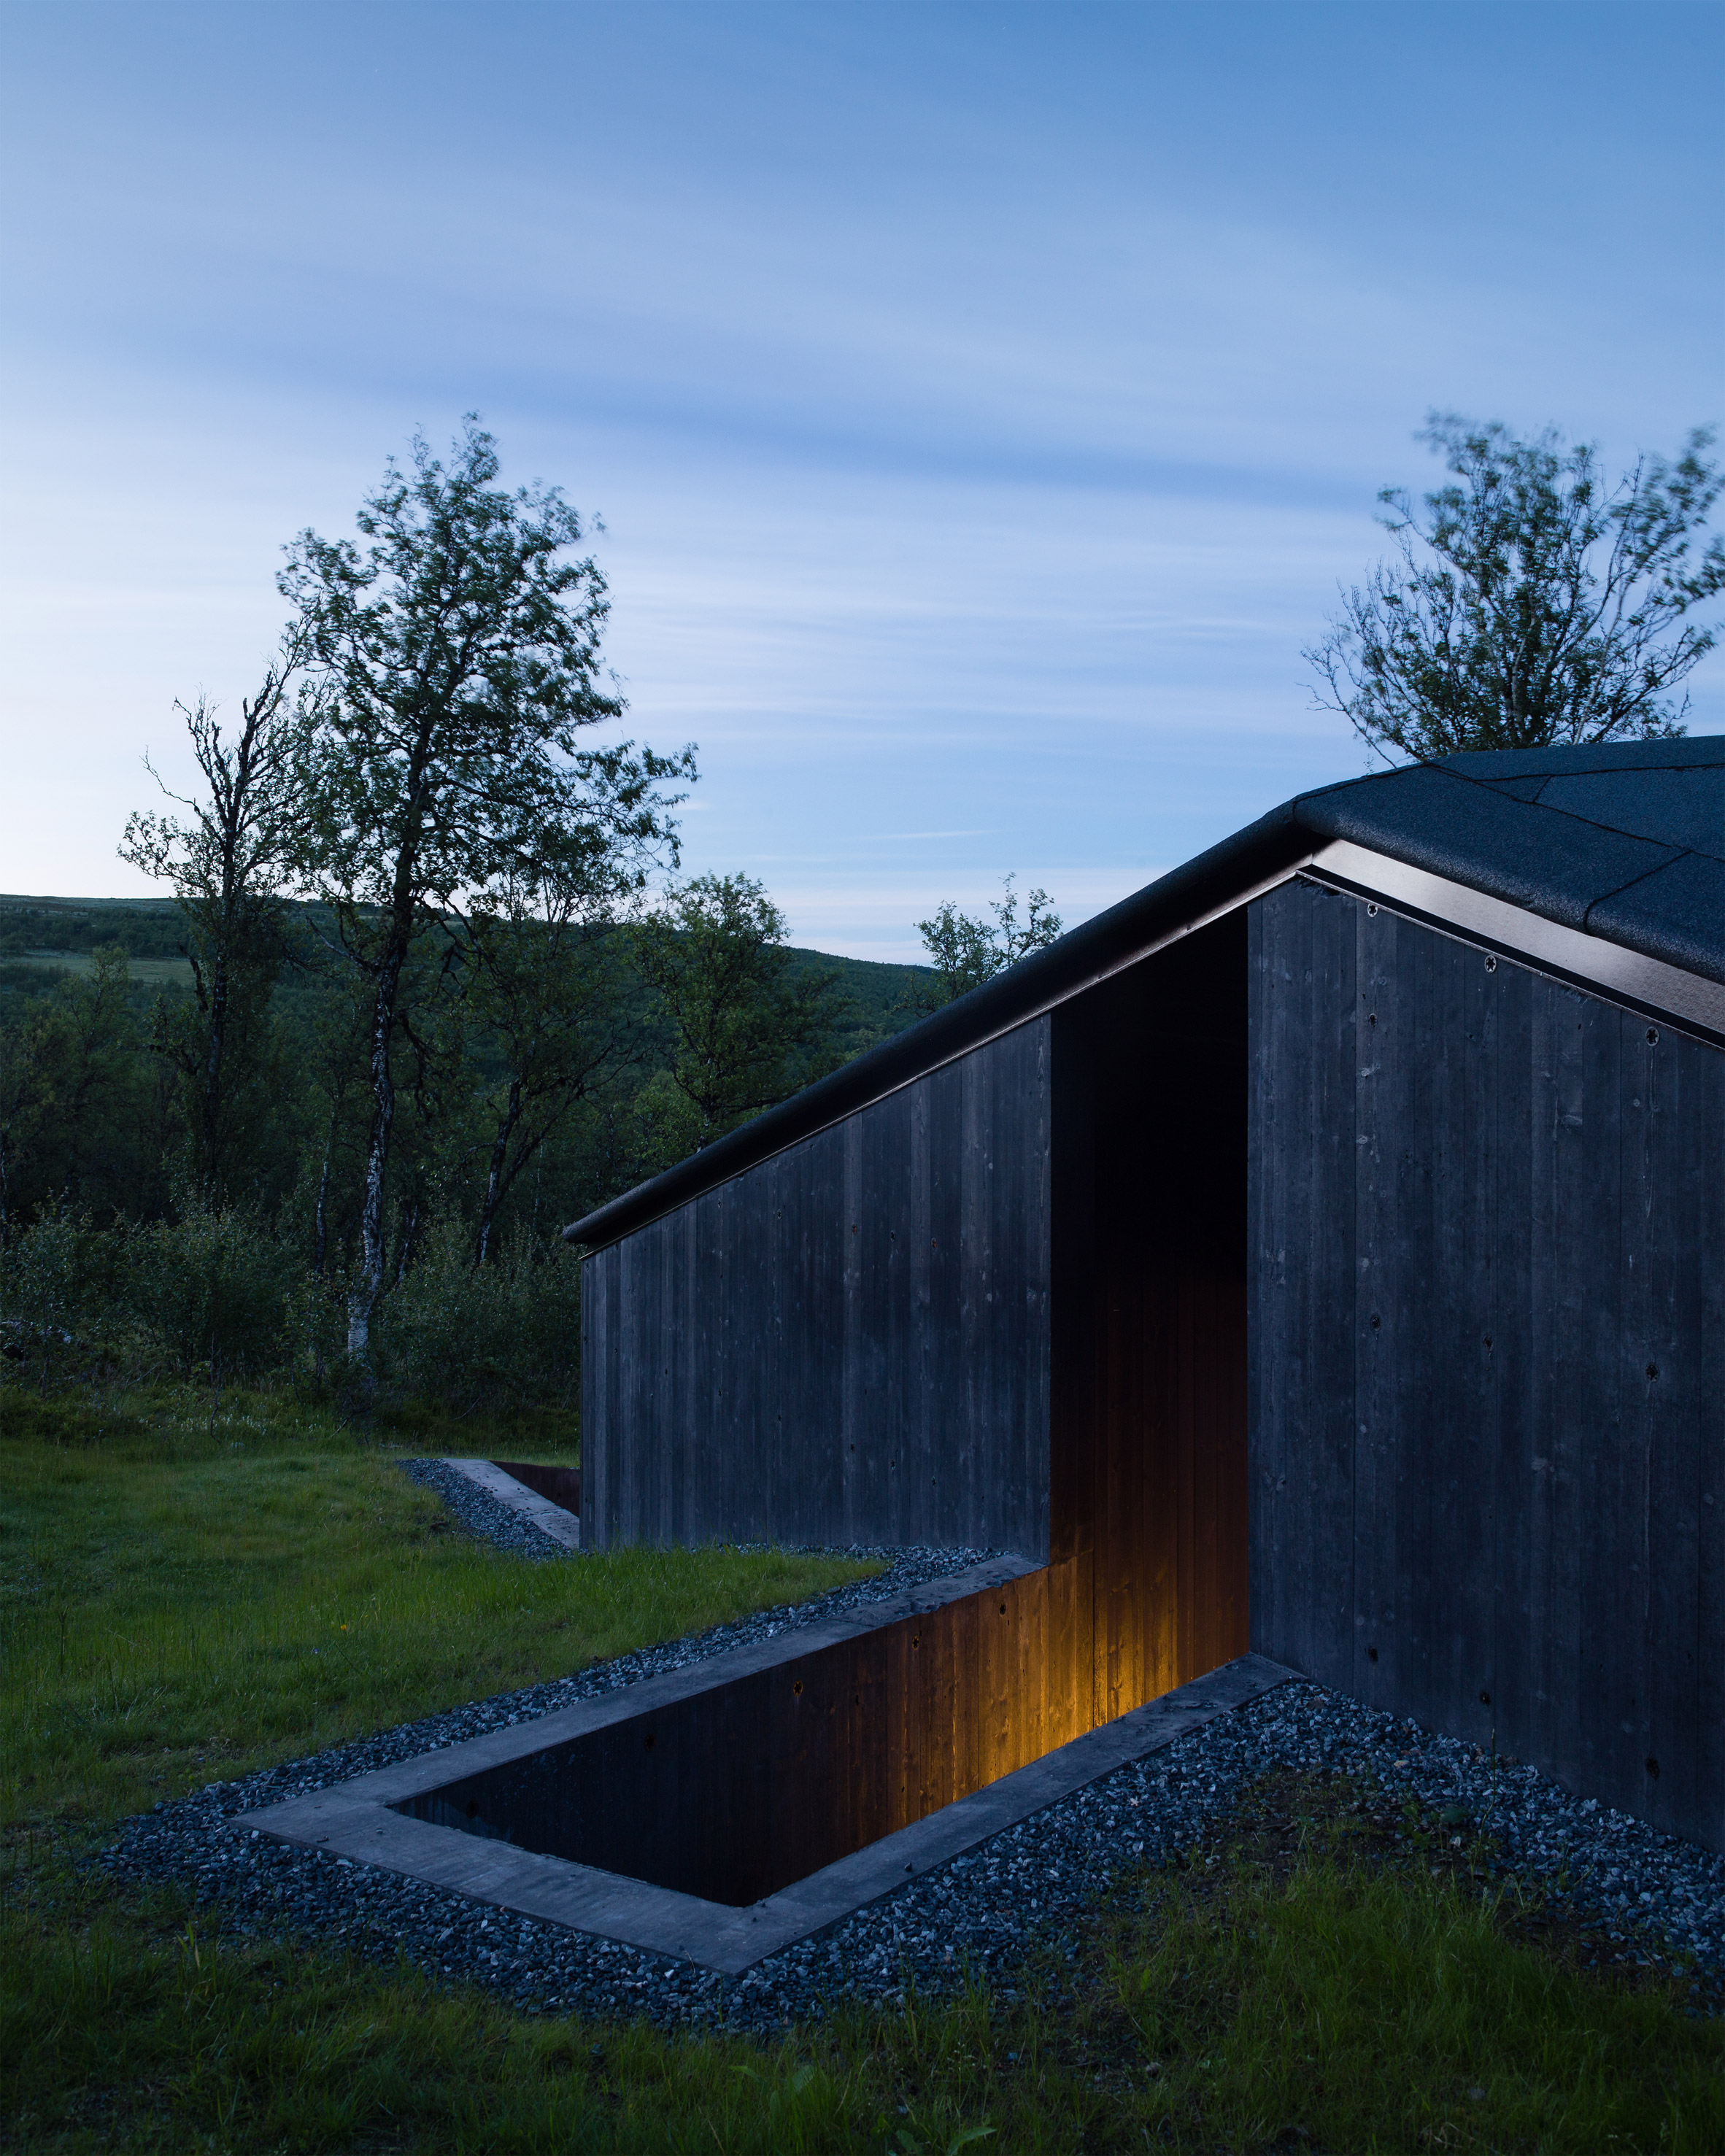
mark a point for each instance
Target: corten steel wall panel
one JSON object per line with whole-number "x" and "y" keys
{"x": 848, "y": 1342}
{"x": 1488, "y": 1353}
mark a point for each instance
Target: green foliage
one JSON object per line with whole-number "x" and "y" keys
{"x": 227, "y": 863}
{"x": 1531, "y": 602}
{"x": 143, "y": 928}
{"x": 216, "y": 1288}
{"x": 390, "y": 1095}
{"x": 455, "y": 665}
{"x": 544, "y": 982}
{"x": 542, "y": 1091}
{"x": 82, "y": 1117}
{"x": 491, "y": 1337}
{"x": 211, "y": 1292}
{"x": 748, "y": 1026}
{"x": 59, "y": 1282}
{"x": 966, "y": 950}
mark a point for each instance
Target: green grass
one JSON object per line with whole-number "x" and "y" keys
{"x": 1374, "y": 2011}
{"x": 191, "y": 1595}
{"x": 1333, "y": 2008}
{"x": 174, "y": 1597}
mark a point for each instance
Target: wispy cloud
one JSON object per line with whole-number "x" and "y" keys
{"x": 982, "y": 408}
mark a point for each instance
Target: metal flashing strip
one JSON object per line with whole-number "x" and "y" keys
{"x": 1606, "y": 969}
{"x": 556, "y": 1521}
{"x": 1081, "y": 986}
{"x": 357, "y": 1820}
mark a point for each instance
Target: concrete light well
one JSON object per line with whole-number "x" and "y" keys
{"x": 720, "y": 1812}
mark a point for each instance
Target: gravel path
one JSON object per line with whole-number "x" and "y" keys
{"x": 983, "y": 1912}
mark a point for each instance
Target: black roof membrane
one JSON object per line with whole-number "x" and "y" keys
{"x": 1625, "y": 841}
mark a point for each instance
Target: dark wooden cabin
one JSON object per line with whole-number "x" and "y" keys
{"x": 1322, "y": 1251}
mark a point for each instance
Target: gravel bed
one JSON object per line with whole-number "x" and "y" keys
{"x": 984, "y": 1915}
{"x": 480, "y": 1514}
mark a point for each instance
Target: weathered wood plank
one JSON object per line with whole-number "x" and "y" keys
{"x": 1540, "y": 1220}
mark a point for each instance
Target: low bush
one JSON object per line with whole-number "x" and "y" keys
{"x": 217, "y": 1296}
{"x": 472, "y": 1339}
{"x": 214, "y": 1289}
{"x": 62, "y": 1298}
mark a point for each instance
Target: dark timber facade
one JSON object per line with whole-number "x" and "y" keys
{"x": 1323, "y": 1251}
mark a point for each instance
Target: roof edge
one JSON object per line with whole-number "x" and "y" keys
{"x": 1036, "y": 984}
{"x": 1213, "y": 881}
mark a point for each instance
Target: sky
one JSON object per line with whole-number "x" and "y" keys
{"x": 983, "y": 403}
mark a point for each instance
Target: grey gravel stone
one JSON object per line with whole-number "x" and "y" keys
{"x": 480, "y": 1514}
{"x": 984, "y": 1914}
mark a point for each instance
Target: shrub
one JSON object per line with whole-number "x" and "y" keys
{"x": 215, "y": 1288}
{"x": 60, "y": 1299}
{"x": 477, "y": 1338}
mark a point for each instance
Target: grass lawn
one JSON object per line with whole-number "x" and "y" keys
{"x": 181, "y": 1599}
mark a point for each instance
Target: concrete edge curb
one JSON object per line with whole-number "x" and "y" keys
{"x": 355, "y": 1821}
{"x": 561, "y": 1525}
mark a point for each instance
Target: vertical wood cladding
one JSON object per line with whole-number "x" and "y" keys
{"x": 848, "y": 1342}
{"x": 734, "y": 1792}
{"x": 1487, "y": 1378}
{"x": 1149, "y": 1459}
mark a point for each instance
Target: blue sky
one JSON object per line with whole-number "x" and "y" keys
{"x": 982, "y": 402}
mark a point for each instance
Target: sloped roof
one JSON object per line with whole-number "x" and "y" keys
{"x": 1625, "y": 842}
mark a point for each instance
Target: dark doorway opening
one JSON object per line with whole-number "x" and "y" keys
{"x": 1148, "y": 1423}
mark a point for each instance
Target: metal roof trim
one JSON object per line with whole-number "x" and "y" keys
{"x": 1608, "y": 970}
{"x": 1213, "y": 883}
{"x": 1420, "y": 863}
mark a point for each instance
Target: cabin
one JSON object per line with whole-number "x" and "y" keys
{"x": 1321, "y": 1253}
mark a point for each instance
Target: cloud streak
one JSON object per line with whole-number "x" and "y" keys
{"x": 983, "y": 405}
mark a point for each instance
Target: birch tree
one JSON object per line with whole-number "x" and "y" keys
{"x": 1531, "y": 602}
{"x": 964, "y": 950}
{"x": 228, "y": 861}
{"x": 458, "y": 655}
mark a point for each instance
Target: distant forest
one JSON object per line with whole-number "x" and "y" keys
{"x": 93, "y": 1106}
{"x": 122, "y": 1255}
